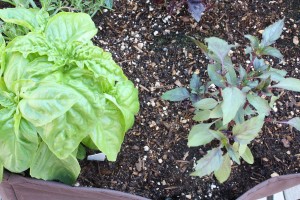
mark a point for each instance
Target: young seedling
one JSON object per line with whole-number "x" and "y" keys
{"x": 235, "y": 112}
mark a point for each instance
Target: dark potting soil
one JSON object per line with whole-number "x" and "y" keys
{"x": 153, "y": 49}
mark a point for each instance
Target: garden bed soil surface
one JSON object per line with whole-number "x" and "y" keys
{"x": 154, "y": 52}
{"x": 153, "y": 49}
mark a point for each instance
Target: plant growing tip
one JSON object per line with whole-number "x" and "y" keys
{"x": 235, "y": 111}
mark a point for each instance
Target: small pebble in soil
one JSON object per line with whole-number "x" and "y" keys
{"x": 76, "y": 184}
{"x": 188, "y": 196}
{"x": 288, "y": 153}
{"x": 160, "y": 160}
{"x": 274, "y": 174}
{"x": 146, "y": 148}
{"x": 213, "y": 186}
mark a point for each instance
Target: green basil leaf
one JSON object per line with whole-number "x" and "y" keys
{"x": 292, "y": 84}
{"x": 233, "y": 154}
{"x": 46, "y": 103}
{"x": 272, "y": 33}
{"x": 95, "y": 60}
{"x": 81, "y": 152}
{"x": 216, "y": 112}
{"x": 233, "y": 100}
{"x": 223, "y": 173}
{"x": 206, "y": 104}
{"x": 260, "y": 65}
{"x": 261, "y": 105}
{"x": 45, "y": 165}
{"x": 21, "y": 16}
{"x": 201, "y": 115}
{"x": 209, "y": 163}
{"x": 295, "y": 122}
{"x": 271, "y": 51}
{"x": 253, "y": 40}
{"x": 244, "y": 133}
{"x": 200, "y": 135}
{"x": 109, "y": 132}
{"x": 195, "y": 83}
{"x": 247, "y": 156}
{"x": 1, "y": 172}
{"x": 30, "y": 43}
{"x": 177, "y": 94}
{"x": 215, "y": 77}
{"x": 18, "y": 143}
{"x": 68, "y": 27}
{"x": 219, "y": 47}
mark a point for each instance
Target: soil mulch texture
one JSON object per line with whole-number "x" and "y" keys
{"x": 152, "y": 48}
{"x": 154, "y": 52}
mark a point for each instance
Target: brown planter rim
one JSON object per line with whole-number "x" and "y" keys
{"x": 271, "y": 186}
{"x": 16, "y": 187}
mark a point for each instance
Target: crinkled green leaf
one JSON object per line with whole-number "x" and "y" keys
{"x": 200, "y": 135}
{"x": 1, "y": 172}
{"x": 30, "y": 43}
{"x": 292, "y": 84}
{"x": 201, "y": 115}
{"x": 271, "y": 51}
{"x": 272, "y": 33}
{"x": 2, "y": 49}
{"x": 223, "y": 173}
{"x": 214, "y": 75}
{"x": 209, "y": 163}
{"x": 206, "y": 104}
{"x": 233, "y": 99}
{"x": 68, "y": 27}
{"x": 79, "y": 120}
{"x": 17, "y": 142}
{"x": 81, "y": 152}
{"x": 253, "y": 40}
{"x": 6, "y": 98}
{"x": 45, "y": 165}
{"x": 95, "y": 60}
{"x": 177, "y": 94}
{"x": 261, "y": 105}
{"x": 21, "y": 16}
{"x": 244, "y": 133}
{"x": 247, "y": 156}
{"x": 295, "y": 122}
{"x": 14, "y": 69}
{"x": 46, "y": 103}
{"x": 109, "y": 132}
{"x": 126, "y": 99}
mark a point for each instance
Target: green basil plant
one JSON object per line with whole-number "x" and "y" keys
{"x": 59, "y": 94}
{"x": 234, "y": 104}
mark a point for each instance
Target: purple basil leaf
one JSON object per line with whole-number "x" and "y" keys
{"x": 196, "y": 8}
